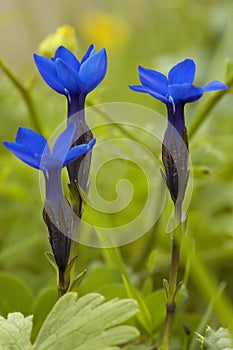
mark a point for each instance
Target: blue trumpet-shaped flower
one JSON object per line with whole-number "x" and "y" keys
{"x": 67, "y": 75}
{"x": 75, "y": 79}
{"x": 175, "y": 91}
{"x": 32, "y": 148}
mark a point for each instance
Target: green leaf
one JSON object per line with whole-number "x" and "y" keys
{"x": 216, "y": 340}
{"x": 205, "y": 318}
{"x": 156, "y": 303}
{"x": 70, "y": 266}
{"x": 82, "y": 194}
{"x": 50, "y": 257}
{"x": 144, "y": 315}
{"x": 110, "y": 291}
{"x": 15, "y": 332}
{"x": 87, "y": 323}
{"x": 97, "y": 277}
{"x": 77, "y": 281}
{"x": 229, "y": 69}
{"x": 41, "y": 307}
{"x": 14, "y": 295}
{"x": 151, "y": 263}
{"x": 139, "y": 347}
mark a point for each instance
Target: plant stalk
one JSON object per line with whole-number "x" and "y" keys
{"x": 24, "y": 92}
{"x": 172, "y": 287}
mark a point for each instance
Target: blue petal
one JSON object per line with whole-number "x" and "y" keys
{"x": 184, "y": 93}
{"x": 90, "y": 52}
{"x": 48, "y": 71}
{"x": 31, "y": 139}
{"x": 63, "y": 143}
{"x": 182, "y": 73}
{"x": 78, "y": 151}
{"x": 68, "y": 76}
{"x": 22, "y": 152}
{"x": 67, "y": 56}
{"x": 147, "y": 90}
{"x": 93, "y": 70}
{"x": 154, "y": 80}
{"x": 215, "y": 85}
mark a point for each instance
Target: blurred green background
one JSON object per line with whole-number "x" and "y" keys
{"x": 154, "y": 34}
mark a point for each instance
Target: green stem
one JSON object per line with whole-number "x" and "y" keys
{"x": 208, "y": 106}
{"x": 171, "y": 286}
{"x": 24, "y": 92}
{"x": 171, "y": 294}
{"x": 168, "y": 327}
{"x": 62, "y": 285}
{"x": 174, "y": 267}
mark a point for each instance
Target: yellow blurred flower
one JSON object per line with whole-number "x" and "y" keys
{"x": 104, "y": 29}
{"x": 64, "y": 35}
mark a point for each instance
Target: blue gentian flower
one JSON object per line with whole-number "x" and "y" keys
{"x": 175, "y": 91}
{"x": 67, "y": 75}
{"x": 32, "y": 148}
{"x": 75, "y": 79}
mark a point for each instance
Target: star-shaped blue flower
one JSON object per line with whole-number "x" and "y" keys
{"x": 67, "y": 75}
{"x": 32, "y": 148}
{"x": 75, "y": 79}
{"x": 175, "y": 91}
{"x": 178, "y": 88}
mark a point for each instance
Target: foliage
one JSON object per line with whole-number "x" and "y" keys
{"x": 85, "y": 324}
{"x": 15, "y": 331}
{"x": 158, "y": 35}
{"x": 217, "y": 340}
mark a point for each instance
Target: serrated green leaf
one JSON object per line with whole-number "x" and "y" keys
{"x": 217, "y": 340}
{"x": 15, "y": 332}
{"x": 87, "y": 323}
{"x": 110, "y": 338}
{"x": 144, "y": 316}
{"x": 139, "y": 347}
